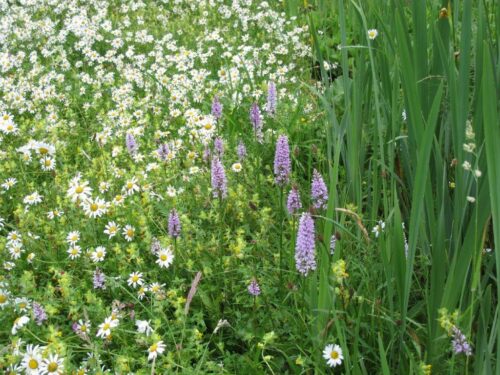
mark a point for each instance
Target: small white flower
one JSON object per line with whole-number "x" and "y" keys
{"x": 98, "y": 254}
{"x": 165, "y": 257}
{"x": 135, "y": 279}
{"x": 237, "y": 167}
{"x": 111, "y": 229}
{"x": 333, "y": 355}
{"x": 155, "y": 349}
{"x": 372, "y": 34}
{"x": 19, "y": 323}
{"x": 143, "y": 326}
{"x": 128, "y": 232}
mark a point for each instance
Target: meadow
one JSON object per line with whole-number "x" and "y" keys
{"x": 249, "y": 187}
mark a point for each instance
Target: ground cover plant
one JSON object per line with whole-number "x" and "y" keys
{"x": 249, "y": 187}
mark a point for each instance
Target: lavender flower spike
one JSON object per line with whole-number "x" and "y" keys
{"x": 305, "y": 248}
{"x": 319, "y": 191}
{"x": 241, "y": 151}
{"x": 99, "y": 279}
{"x": 293, "y": 203}
{"x": 256, "y": 120}
{"x": 282, "y": 163}
{"x": 460, "y": 343}
{"x": 174, "y": 224}
{"x": 131, "y": 144}
{"x": 219, "y": 146}
{"x": 272, "y": 97}
{"x": 254, "y": 288}
{"x": 40, "y": 314}
{"x": 219, "y": 182}
{"x": 216, "y": 108}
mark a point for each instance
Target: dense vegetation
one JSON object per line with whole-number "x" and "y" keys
{"x": 246, "y": 187}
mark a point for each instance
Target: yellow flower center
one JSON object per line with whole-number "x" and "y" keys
{"x": 163, "y": 257}
{"x": 105, "y": 327}
{"x": 100, "y": 254}
{"x": 3, "y": 298}
{"x": 135, "y": 278}
{"x": 130, "y": 232}
{"x": 83, "y": 328}
{"x": 22, "y": 305}
{"x": 43, "y": 150}
{"x": 48, "y": 162}
{"x": 208, "y": 126}
{"x": 52, "y": 367}
{"x": 153, "y": 348}
{"x": 33, "y": 364}
{"x": 79, "y": 190}
{"x": 334, "y": 355}
{"x": 94, "y": 207}
{"x": 129, "y": 185}
{"x": 10, "y": 127}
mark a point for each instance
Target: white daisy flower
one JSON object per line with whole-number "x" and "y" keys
{"x": 73, "y": 237}
{"x": 128, "y": 232}
{"x": 155, "y": 349}
{"x": 19, "y": 323}
{"x": 32, "y": 360}
{"x": 372, "y": 34}
{"x": 333, "y": 355}
{"x": 74, "y": 252}
{"x": 144, "y": 326}
{"x": 98, "y": 254}
{"x": 135, "y": 279}
{"x": 165, "y": 257}
{"x": 52, "y": 365}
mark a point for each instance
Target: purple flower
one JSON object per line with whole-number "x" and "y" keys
{"x": 219, "y": 183}
{"x": 305, "y": 247}
{"x": 206, "y": 154}
{"x": 256, "y": 120}
{"x": 333, "y": 243}
{"x": 272, "y": 97}
{"x": 460, "y": 343}
{"x": 241, "y": 151}
{"x": 282, "y": 163}
{"x": 174, "y": 224}
{"x": 216, "y": 108}
{"x": 163, "y": 151}
{"x": 40, "y": 314}
{"x": 254, "y": 288}
{"x": 131, "y": 144}
{"x": 293, "y": 203}
{"x": 319, "y": 191}
{"x": 99, "y": 279}
{"x": 219, "y": 146}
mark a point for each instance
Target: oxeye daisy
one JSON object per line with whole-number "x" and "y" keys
{"x": 73, "y": 237}
{"x": 372, "y": 34}
{"x": 135, "y": 279}
{"x": 32, "y": 360}
{"x": 111, "y": 229}
{"x": 128, "y": 232}
{"x": 155, "y": 349}
{"x": 237, "y": 167}
{"x": 165, "y": 257}
{"x": 32, "y": 199}
{"x": 74, "y": 252}
{"x": 333, "y": 355}
{"x": 47, "y": 163}
{"x": 52, "y": 365}
{"x": 98, "y": 254}
{"x": 131, "y": 186}
{"x": 4, "y": 298}
{"x": 144, "y": 326}
{"x": 19, "y": 323}
{"x": 79, "y": 190}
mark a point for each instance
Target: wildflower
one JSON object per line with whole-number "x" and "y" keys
{"x": 95, "y": 207}
{"x": 460, "y": 343}
{"x": 241, "y": 151}
{"x": 131, "y": 186}
{"x": 131, "y": 144}
{"x": 4, "y": 298}
{"x": 319, "y": 191}
{"x": 105, "y": 327}
{"x": 237, "y": 167}
{"x": 134, "y": 279}
{"x": 256, "y": 120}
{"x": 339, "y": 270}
{"x": 216, "y": 108}
{"x": 254, "y": 288}
{"x": 174, "y": 224}
{"x": 98, "y": 254}
{"x": 19, "y": 323}
{"x": 78, "y": 191}
{"x": 271, "y": 99}
{"x": 99, "y": 279}
{"x": 333, "y": 243}
{"x": 82, "y": 328}
{"x": 143, "y": 326}
{"x": 471, "y": 199}
{"x": 165, "y": 258}
{"x": 155, "y": 349}
{"x": 111, "y": 229}
{"x": 219, "y": 183}
{"x": 293, "y": 203}
{"x": 52, "y": 365}
{"x": 163, "y": 152}
{"x": 333, "y": 355}
{"x": 32, "y": 199}
{"x": 372, "y": 34}
{"x": 23, "y": 304}
{"x": 282, "y": 163}
{"x": 9, "y": 183}
{"x": 128, "y": 232}
{"x": 219, "y": 146}
{"x": 40, "y": 314}
{"x": 305, "y": 247}
{"x": 74, "y": 252}
{"x": 32, "y": 360}
{"x": 221, "y": 324}
{"x": 379, "y": 228}
{"x": 73, "y": 237}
